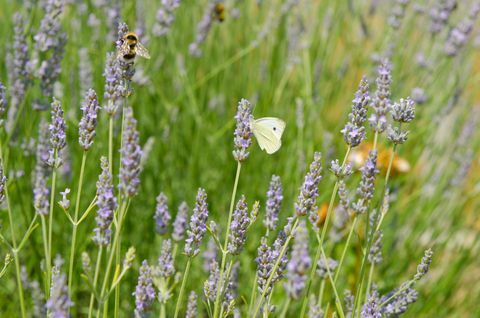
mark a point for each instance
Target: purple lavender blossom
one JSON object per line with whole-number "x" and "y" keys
{"x": 339, "y": 171}
{"x": 84, "y": 70}
{"x": 131, "y": 154}
{"x": 274, "y": 202}
{"x": 3, "y": 182}
{"x": 42, "y": 170}
{"x": 106, "y": 203}
{"x": 209, "y": 254}
{"x": 419, "y": 96}
{"x": 114, "y": 88}
{"x": 367, "y": 183}
{"x": 58, "y": 305}
{"x": 309, "y": 191}
{"x": 181, "y": 222}
{"x": 403, "y": 111}
{"x": 371, "y": 309}
{"x": 203, "y": 28}
{"x": 58, "y": 137}
{"x": 399, "y": 304}
{"x": 299, "y": 263}
{"x": 398, "y": 13}
{"x": 231, "y": 289}
{"x": 210, "y": 286}
{"x": 165, "y": 17}
{"x": 88, "y": 123}
{"x": 375, "y": 254}
{"x": 162, "y": 215}
{"x": 460, "y": 34}
{"x": 3, "y": 102}
{"x": 192, "y": 306}
{"x": 198, "y": 225}
{"x": 41, "y": 195}
{"x": 238, "y": 227}
{"x": 50, "y": 27}
{"x": 265, "y": 264}
{"x": 440, "y": 13}
{"x": 144, "y": 292}
{"x": 19, "y": 74}
{"x": 314, "y": 309}
{"x": 424, "y": 266}
{"x": 50, "y": 69}
{"x": 243, "y": 132}
{"x": 165, "y": 261}
{"x": 324, "y": 267}
{"x": 381, "y": 101}
{"x": 354, "y": 130}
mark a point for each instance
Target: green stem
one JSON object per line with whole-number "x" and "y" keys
{"x": 225, "y": 246}
{"x": 95, "y": 279}
{"x": 338, "y": 301}
{"x": 344, "y": 252}
{"x": 370, "y": 277}
{"x": 50, "y": 214}
{"x": 285, "y": 308}
{"x": 47, "y": 256}
{"x": 75, "y": 225}
{"x": 320, "y": 293}
{"x": 14, "y": 242}
{"x": 322, "y": 237}
{"x": 274, "y": 269}
{"x": 182, "y": 288}
{"x": 162, "y": 311}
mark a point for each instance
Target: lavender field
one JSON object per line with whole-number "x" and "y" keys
{"x": 282, "y": 158}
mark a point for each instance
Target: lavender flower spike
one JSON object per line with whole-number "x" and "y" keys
{"x": 165, "y": 262}
{"x": 403, "y": 111}
{"x": 371, "y": 309}
{"x": 243, "y": 133}
{"x": 3, "y": 102}
{"x": 162, "y": 215}
{"x": 203, "y": 28}
{"x": 367, "y": 183}
{"x": 424, "y": 266}
{"x": 165, "y": 17}
{"x": 88, "y": 123}
{"x": 180, "y": 224}
{"x": 131, "y": 154}
{"x": 299, "y": 263}
{"x": 106, "y": 203}
{"x": 47, "y": 36}
{"x": 198, "y": 225}
{"x": 59, "y": 303}
{"x": 192, "y": 306}
{"x": 144, "y": 292}
{"x": 381, "y": 101}
{"x": 58, "y": 138}
{"x": 210, "y": 286}
{"x": 264, "y": 262}
{"x": 3, "y": 183}
{"x": 274, "y": 202}
{"x": 354, "y": 131}
{"x": 114, "y": 88}
{"x": 309, "y": 190}
{"x": 238, "y": 227}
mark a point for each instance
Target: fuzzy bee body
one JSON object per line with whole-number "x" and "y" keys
{"x": 131, "y": 47}
{"x": 219, "y": 12}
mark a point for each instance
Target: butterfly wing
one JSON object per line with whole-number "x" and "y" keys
{"x": 268, "y": 132}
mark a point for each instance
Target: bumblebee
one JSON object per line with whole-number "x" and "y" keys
{"x": 219, "y": 12}
{"x": 131, "y": 47}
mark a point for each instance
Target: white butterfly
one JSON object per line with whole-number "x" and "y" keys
{"x": 268, "y": 132}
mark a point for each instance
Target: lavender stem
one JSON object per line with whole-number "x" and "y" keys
{"x": 95, "y": 279}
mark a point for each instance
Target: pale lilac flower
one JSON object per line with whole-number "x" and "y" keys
{"x": 165, "y": 261}
{"x": 349, "y": 299}
{"x": 300, "y": 262}
{"x": 165, "y": 17}
{"x": 371, "y": 309}
{"x": 419, "y": 96}
{"x": 210, "y": 286}
{"x": 403, "y": 111}
{"x": 88, "y": 123}
{"x": 314, "y": 309}
{"x": 440, "y": 13}
{"x": 131, "y": 154}
{"x": 238, "y": 227}
{"x": 354, "y": 130}
{"x": 274, "y": 202}
{"x": 265, "y": 264}
{"x": 381, "y": 100}
{"x": 106, "y": 203}
{"x": 339, "y": 171}
{"x": 366, "y": 187}
{"x": 203, "y": 28}
{"x": 19, "y": 74}
{"x": 58, "y": 137}
{"x": 231, "y": 289}
{"x": 375, "y": 254}
{"x": 459, "y": 35}
{"x": 424, "y": 266}
{"x": 42, "y": 170}
{"x": 59, "y": 303}
{"x": 181, "y": 222}
{"x": 144, "y": 292}
{"x": 65, "y": 202}
{"x": 3, "y": 102}
{"x": 114, "y": 87}
{"x": 84, "y": 69}
{"x": 192, "y": 306}
{"x": 209, "y": 254}
{"x": 3, "y": 183}
{"x": 198, "y": 225}
{"x": 50, "y": 27}
{"x": 50, "y": 69}
{"x": 307, "y": 197}
{"x": 398, "y": 13}
{"x": 399, "y": 304}
{"x": 41, "y": 195}
{"x": 324, "y": 267}
{"x": 243, "y": 132}
{"x": 162, "y": 215}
